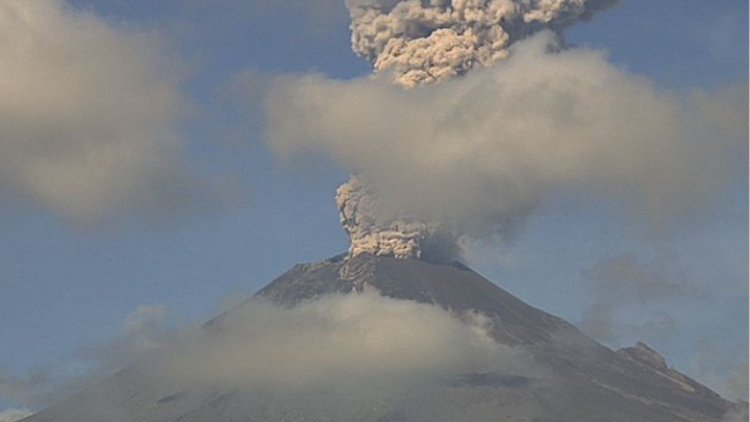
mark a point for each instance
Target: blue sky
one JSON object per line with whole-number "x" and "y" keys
{"x": 67, "y": 286}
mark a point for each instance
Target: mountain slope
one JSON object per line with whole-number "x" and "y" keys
{"x": 577, "y": 378}
{"x": 631, "y": 384}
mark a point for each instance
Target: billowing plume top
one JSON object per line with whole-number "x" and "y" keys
{"x": 425, "y": 41}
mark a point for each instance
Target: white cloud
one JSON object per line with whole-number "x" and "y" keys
{"x": 146, "y": 331}
{"x": 340, "y": 356}
{"x": 90, "y": 114}
{"x": 338, "y": 336}
{"x": 331, "y": 358}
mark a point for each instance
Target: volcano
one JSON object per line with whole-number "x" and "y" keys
{"x": 583, "y": 380}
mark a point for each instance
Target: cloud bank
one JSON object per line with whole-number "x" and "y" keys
{"x": 477, "y": 154}
{"x": 336, "y": 358}
{"x": 344, "y": 357}
{"x": 90, "y": 114}
{"x": 354, "y": 337}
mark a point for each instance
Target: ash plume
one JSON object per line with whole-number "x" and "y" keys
{"x": 400, "y": 237}
{"x": 478, "y": 154}
{"x": 470, "y": 158}
{"x": 423, "y": 41}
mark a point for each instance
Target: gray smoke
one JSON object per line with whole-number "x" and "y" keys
{"x": 397, "y": 236}
{"x": 475, "y": 155}
{"x": 423, "y": 42}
